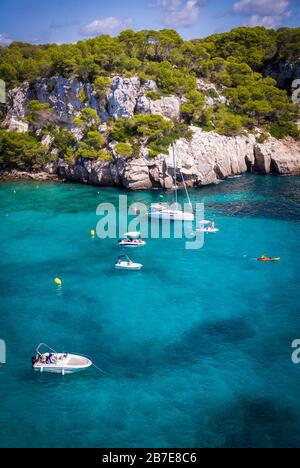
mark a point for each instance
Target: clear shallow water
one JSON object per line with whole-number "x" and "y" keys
{"x": 195, "y": 348}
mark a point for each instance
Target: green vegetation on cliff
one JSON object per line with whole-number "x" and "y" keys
{"x": 21, "y": 151}
{"x": 152, "y": 131}
{"x": 149, "y": 52}
{"x": 232, "y": 61}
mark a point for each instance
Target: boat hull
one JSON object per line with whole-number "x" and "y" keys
{"x": 125, "y": 266}
{"x": 207, "y": 230}
{"x": 59, "y": 370}
{"x": 134, "y": 246}
{"x": 65, "y": 364}
{"x": 172, "y": 216}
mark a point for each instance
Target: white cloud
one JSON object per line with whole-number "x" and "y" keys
{"x": 185, "y": 16}
{"x": 180, "y": 13}
{"x": 269, "y": 22}
{"x": 261, "y": 7}
{"x": 109, "y": 25}
{"x": 267, "y": 13}
{"x": 4, "y": 39}
{"x": 169, "y": 5}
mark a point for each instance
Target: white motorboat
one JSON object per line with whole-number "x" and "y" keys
{"x": 124, "y": 263}
{"x": 132, "y": 239}
{"x": 207, "y": 226}
{"x": 60, "y": 363}
{"x": 172, "y": 212}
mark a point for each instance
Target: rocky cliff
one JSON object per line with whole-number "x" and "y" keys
{"x": 283, "y": 72}
{"x": 205, "y": 159}
{"x": 125, "y": 97}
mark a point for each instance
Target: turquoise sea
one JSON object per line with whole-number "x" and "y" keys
{"x": 195, "y": 348}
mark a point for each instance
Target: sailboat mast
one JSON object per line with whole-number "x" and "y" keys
{"x": 186, "y": 191}
{"x": 174, "y": 175}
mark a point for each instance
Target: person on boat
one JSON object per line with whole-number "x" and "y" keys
{"x": 48, "y": 358}
{"x": 263, "y": 257}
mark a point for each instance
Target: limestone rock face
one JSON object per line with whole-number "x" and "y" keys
{"x": 159, "y": 174}
{"x": 204, "y": 160}
{"x": 283, "y": 72}
{"x": 209, "y": 157}
{"x": 86, "y": 171}
{"x": 47, "y": 140}
{"x": 262, "y": 160}
{"x": 277, "y": 156}
{"x": 67, "y": 97}
{"x": 167, "y": 106}
{"x": 17, "y": 109}
{"x": 135, "y": 175}
{"x": 149, "y": 85}
{"x": 123, "y": 96}
{"x": 24, "y": 175}
{"x": 128, "y": 96}
{"x": 15, "y": 125}
{"x": 212, "y": 95}
{"x": 62, "y": 94}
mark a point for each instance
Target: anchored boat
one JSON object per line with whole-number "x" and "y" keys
{"x": 164, "y": 211}
{"x": 207, "y": 226}
{"x": 60, "y": 363}
{"x": 132, "y": 239}
{"x": 124, "y": 263}
{"x": 172, "y": 213}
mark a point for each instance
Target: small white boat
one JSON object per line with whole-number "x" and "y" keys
{"x": 207, "y": 226}
{"x": 124, "y": 263}
{"x": 132, "y": 239}
{"x": 59, "y": 363}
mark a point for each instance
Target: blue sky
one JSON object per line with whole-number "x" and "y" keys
{"x": 71, "y": 20}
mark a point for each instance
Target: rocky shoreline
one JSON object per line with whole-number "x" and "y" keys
{"x": 204, "y": 160}
{"x": 24, "y": 175}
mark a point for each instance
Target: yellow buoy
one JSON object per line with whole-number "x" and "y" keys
{"x": 14, "y": 192}
{"x": 37, "y": 186}
{"x": 58, "y": 282}
{"x": 92, "y": 233}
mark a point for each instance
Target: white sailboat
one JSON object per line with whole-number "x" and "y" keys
{"x": 174, "y": 212}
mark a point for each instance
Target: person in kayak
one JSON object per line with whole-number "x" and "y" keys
{"x": 264, "y": 258}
